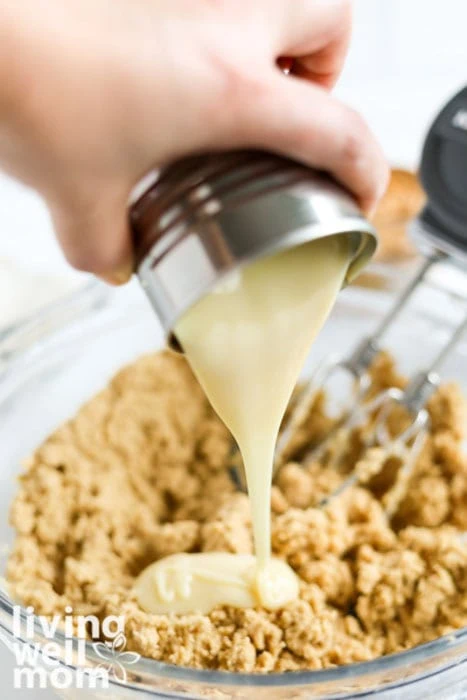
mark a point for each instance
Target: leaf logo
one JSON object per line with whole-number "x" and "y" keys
{"x": 115, "y": 658}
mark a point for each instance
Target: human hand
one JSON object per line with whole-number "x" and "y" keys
{"x": 99, "y": 92}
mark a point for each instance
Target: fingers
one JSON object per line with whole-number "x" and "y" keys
{"x": 305, "y": 122}
{"x": 317, "y": 34}
{"x": 94, "y": 233}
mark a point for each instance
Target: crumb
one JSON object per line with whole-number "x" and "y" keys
{"x": 142, "y": 471}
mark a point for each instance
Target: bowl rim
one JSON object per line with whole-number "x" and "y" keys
{"x": 355, "y": 671}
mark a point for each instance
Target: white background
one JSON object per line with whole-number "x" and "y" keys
{"x": 407, "y": 57}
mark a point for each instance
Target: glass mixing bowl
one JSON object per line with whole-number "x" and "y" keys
{"x": 52, "y": 363}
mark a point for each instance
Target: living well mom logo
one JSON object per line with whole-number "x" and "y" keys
{"x": 64, "y": 664}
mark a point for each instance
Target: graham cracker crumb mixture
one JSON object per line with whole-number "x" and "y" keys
{"x": 143, "y": 471}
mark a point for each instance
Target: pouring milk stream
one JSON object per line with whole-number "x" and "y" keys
{"x": 246, "y": 342}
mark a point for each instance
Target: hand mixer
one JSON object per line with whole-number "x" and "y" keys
{"x": 441, "y": 235}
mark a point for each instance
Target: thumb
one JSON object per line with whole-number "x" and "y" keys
{"x": 94, "y": 233}
{"x": 302, "y": 120}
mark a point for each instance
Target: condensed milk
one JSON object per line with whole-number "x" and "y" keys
{"x": 247, "y": 342}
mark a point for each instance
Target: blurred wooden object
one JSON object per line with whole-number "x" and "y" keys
{"x": 403, "y": 200}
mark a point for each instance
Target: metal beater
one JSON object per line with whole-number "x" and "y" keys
{"x": 440, "y": 232}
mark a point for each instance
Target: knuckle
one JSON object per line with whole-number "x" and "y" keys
{"x": 240, "y": 89}
{"x": 243, "y": 87}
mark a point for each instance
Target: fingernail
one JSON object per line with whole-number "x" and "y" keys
{"x": 123, "y": 275}
{"x": 370, "y": 210}
{"x": 119, "y": 276}
{"x": 371, "y": 207}
{"x": 109, "y": 279}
